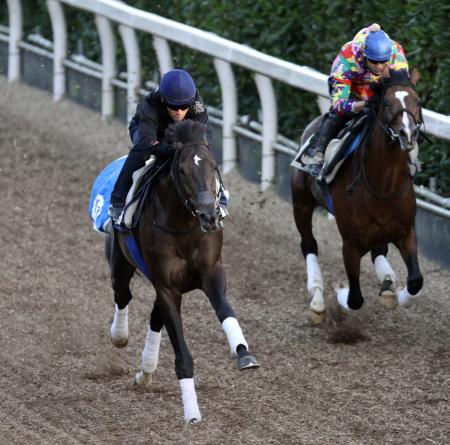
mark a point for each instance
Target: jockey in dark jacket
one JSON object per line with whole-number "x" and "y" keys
{"x": 176, "y": 99}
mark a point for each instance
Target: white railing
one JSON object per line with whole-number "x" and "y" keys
{"x": 224, "y": 53}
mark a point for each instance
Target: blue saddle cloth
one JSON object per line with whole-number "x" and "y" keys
{"x": 101, "y": 193}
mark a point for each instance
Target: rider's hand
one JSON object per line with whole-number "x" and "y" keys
{"x": 358, "y": 106}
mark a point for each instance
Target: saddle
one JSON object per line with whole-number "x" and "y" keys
{"x": 338, "y": 149}
{"x": 104, "y": 184}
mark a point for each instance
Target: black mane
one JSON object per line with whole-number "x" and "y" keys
{"x": 186, "y": 131}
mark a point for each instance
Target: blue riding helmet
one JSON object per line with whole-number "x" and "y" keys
{"x": 177, "y": 87}
{"x": 378, "y": 46}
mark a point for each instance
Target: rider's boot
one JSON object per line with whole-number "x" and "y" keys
{"x": 414, "y": 163}
{"x": 223, "y": 201}
{"x": 329, "y": 128}
{"x": 133, "y": 162}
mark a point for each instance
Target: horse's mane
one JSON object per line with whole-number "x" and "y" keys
{"x": 400, "y": 77}
{"x": 186, "y": 131}
{"x": 395, "y": 78}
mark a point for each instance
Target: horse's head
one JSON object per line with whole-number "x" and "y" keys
{"x": 194, "y": 172}
{"x": 401, "y": 112}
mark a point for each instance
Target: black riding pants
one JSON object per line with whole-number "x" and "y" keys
{"x": 135, "y": 160}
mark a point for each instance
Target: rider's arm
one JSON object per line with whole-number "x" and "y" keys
{"x": 398, "y": 60}
{"x": 340, "y": 83}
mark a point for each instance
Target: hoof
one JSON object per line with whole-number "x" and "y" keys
{"x": 316, "y": 318}
{"x": 193, "y": 421}
{"x": 142, "y": 379}
{"x": 119, "y": 342}
{"x": 247, "y": 362}
{"x": 388, "y": 300}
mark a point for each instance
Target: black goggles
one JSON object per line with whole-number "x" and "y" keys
{"x": 377, "y": 62}
{"x": 177, "y": 107}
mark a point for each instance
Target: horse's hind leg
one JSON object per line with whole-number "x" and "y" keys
{"x": 150, "y": 353}
{"x": 214, "y": 286}
{"x": 408, "y": 250}
{"x": 386, "y": 277}
{"x": 351, "y": 298}
{"x": 121, "y": 273}
{"x": 304, "y": 204}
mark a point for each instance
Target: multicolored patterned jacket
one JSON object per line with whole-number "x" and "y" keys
{"x": 350, "y": 79}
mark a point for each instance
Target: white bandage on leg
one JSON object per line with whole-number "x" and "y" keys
{"x": 314, "y": 274}
{"x": 149, "y": 357}
{"x": 234, "y": 334}
{"x": 189, "y": 397}
{"x": 383, "y": 269}
{"x": 405, "y": 298}
{"x": 119, "y": 327}
{"x": 342, "y": 297}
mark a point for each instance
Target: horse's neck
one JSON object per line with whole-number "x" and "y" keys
{"x": 168, "y": 209}
{"x": 384, "y": 159}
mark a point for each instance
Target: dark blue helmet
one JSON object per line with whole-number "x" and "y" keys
{"x": 378, "y": 46}
{"x": 177, "y": 87}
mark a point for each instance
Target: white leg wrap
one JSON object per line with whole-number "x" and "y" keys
{"x": 315, "y": 283}
{"x": 383, "y": 269}
{"x": 149, "y": 357}
{"x": 189, "y": 397}
{"x": 314, "y": 274}
{"x": 234, "y": 334}
{"x": 342, "y": 297}
{"x": 405, "y": 298}
{"x": 119, "y": 327}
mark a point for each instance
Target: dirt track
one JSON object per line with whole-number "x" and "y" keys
{"x": 386, "y": 382}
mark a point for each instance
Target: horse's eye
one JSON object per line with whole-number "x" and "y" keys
{"x": 387, "y": 104}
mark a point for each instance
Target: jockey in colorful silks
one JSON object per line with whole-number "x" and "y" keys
{"x": 360, "y": 64}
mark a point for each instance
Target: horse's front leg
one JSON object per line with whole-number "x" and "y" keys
{"x": 386, "y": 277}
{"x": 351, "y": 298}
{"x": 214, "y": 286}
{"x": 150, "y": 353}
{"x": 408, "y": 249}
{"x": 304, "y": 204}
{"x": 121, "y": 273}
{"x": 169, "y": 303}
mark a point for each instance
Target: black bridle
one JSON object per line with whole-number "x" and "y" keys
{"x": 174, "y": 174}
{"x": 387, "y": 124}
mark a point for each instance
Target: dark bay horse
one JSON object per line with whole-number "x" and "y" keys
{"x": 373, "y": 200}
{"x": 180, "y": 237}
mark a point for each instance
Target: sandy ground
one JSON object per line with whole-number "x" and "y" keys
{"x": 379, "y": 377}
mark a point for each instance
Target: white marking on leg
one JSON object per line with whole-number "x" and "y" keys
{"x": 119, "y": 327}
{"x": 315, "y": 283}
{"x": 189, "y": 397}
{"x": 234, "y": 334}
{"x": 383, "y": 269}
{"x": 149, "y": 357}
{"x": 405, "y": 298}
{"x": 197, "y": 159}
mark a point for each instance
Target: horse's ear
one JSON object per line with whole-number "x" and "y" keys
{"x": 170, "y": 134}
{"x": 414, "y": 76}
{"x": 386, "y": 74}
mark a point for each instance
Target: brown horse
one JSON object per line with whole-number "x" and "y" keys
{"x": 179, "y": 237}
{"x": 372, "y": 197}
